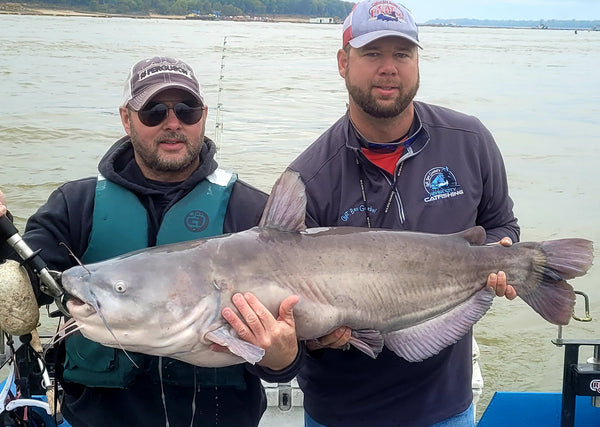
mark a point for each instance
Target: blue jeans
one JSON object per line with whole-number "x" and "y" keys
{"x": 464, "y": 419}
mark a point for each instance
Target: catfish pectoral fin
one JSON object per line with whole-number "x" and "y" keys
{"x": 428, "y": 338}
{"x": 247, "y": 351}
{"x": 368, "y": 341}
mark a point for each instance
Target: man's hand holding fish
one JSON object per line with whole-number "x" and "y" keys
{"x": 276, "y": 336}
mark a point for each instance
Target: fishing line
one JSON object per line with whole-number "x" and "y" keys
{"x": 194, "y": 400}
{"x": 162, "y": 390}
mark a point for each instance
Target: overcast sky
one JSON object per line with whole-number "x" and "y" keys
{"x": 424, "y": 10}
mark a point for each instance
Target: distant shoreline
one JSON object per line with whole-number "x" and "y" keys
{"x": 20, "y": 9}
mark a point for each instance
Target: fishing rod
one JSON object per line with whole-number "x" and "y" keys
{"x": 219, "y": 119}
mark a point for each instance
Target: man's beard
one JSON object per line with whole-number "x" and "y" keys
{"x": 369, "y": 105}
{"x": 154, "y": 161}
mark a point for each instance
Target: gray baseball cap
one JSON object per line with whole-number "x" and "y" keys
{"x": 152, "y": 75}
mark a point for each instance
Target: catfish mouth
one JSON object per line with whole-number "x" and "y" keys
{"x": 79, "y": 309}
{"x": 82, "y": 299}
{"x": 73, "y": 300}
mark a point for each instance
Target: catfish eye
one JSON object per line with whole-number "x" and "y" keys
{"x": 120, "y": 287}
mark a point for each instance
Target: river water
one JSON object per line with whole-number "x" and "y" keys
{"x": 275, "y": 88}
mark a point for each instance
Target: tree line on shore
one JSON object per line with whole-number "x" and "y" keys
{"x": 314, "y": 8}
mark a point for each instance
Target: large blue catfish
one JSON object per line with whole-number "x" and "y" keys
{"x": 415, "y": 293}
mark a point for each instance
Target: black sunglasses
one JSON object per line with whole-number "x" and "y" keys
{"x": 154, "y": 114}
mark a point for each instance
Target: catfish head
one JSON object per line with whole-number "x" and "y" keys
{"x": 152, "y": 301}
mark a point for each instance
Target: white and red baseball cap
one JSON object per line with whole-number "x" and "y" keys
{"x": 374, "y": 19}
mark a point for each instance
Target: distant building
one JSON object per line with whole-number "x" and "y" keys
{"x": 216, "y": 15}
{"x": 323, "y": 21}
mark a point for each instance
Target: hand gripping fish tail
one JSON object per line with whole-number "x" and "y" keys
{"x": 415, "y": 293}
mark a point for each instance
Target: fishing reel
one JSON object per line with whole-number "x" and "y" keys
{"x": 49, "y": 279}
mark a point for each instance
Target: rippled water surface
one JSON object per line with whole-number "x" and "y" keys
{"x": 538, "y": 92}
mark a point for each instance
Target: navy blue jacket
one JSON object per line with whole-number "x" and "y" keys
{"x": 450, "y": 177}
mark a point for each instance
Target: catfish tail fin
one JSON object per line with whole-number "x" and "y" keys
{"x": 559, "y": 261}
{"x": 569, "y": 258}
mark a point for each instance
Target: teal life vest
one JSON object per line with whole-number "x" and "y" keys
{"x": 120, "y": 225}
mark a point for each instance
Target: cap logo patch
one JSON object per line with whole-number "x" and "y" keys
{"x": 386, "y": 11}
{"x": 164, "y": 67}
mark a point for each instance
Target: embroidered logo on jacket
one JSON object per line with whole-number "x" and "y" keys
{"x": 196, "y": 221}
{"x": 440, "y": 183}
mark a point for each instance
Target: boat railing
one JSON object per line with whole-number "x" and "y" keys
{"x": 579, "y": 379}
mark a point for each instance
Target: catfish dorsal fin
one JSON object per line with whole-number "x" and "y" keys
{"x": 286, "y": 207}
{"x": 474, "y": 235}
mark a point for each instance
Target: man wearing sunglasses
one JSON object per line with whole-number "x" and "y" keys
{"x": 159, "y": 184}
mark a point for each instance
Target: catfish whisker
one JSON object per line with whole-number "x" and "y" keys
{"x": 94, "y": 304}
{"x": 76, "y": 259}
{"x": 64, "y": 331}
{"x": 65, "y": 328}
{"x": 58, "y": 337}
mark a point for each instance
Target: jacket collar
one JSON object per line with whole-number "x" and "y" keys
{"x": 417, "y": 139}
